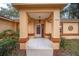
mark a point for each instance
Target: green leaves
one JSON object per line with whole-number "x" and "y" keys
{"x": 9, "y": 33}
{"x": 8, "y": 42}
{"x": 62, "y": 43}
{"x": 9, "y": 12}
{"x": 71, "y": 12}
{"x": 7, "y": 45}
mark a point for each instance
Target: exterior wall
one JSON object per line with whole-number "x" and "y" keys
{"x": 48, "y": 29}
{"x": 56, "y": 24}
{"x": 71, "y": 37}
{"x": 66, "y": 30}
{"x": 72, "y": 33}
{"x": 31, "y": 29}
{"x": 4, "y": 25}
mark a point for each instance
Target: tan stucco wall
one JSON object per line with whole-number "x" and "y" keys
{"x": 56, "y": 45}
{"x": 4, "y": 25}
{"x": 31, "y": 27}
{"x": 23, "y": 25}
{"x": 66, "y": 25}
{"x": 74, "y": 34}
{"x": 56, "y": 24}
{"x": 71, "y": 37}
{"x": 48, "y": 27}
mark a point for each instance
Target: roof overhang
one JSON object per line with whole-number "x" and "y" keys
{"x": 37, "y": 6}
{"x": 8, "y": 19}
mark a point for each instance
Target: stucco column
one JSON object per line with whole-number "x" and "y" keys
{"x": 56, "y": 30}
{"x": 23, "y": 29}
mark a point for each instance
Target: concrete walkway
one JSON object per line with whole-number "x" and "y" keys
{"x": 39, "y": 47}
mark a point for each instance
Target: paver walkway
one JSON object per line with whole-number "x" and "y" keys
{"x": 39, "y": 47}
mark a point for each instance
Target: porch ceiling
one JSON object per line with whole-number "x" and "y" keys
{"x": 39, "y": 15}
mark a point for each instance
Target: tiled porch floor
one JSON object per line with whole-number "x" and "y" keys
{"x": 39, "y": 47}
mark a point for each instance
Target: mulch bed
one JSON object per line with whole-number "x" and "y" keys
{"x": 17, "y": 52}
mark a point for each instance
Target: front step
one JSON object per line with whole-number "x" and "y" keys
{"x": 39, "y": 52}
{"x": 39, "y": 47}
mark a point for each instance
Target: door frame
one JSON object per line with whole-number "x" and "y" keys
{"x": 38, "y": 35}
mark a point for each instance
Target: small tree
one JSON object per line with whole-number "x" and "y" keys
{"x": 9, "y": 12}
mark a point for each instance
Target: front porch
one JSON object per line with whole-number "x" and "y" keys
{"x": 39, "y": 21}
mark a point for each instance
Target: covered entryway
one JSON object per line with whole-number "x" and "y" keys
{"x": 32, "y": 16}
{"x": 39, "y": 47}
{"x": 40, "y": 19}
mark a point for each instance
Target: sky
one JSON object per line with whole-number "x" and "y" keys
{"x": 3, "y": 5}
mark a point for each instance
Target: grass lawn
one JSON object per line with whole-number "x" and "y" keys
{"x": 70, "y": 47}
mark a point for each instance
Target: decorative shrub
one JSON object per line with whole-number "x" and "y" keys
{"x": 9, "y": 33}
{"x": 8, "y": 42}
{"x": 7, "y": 45}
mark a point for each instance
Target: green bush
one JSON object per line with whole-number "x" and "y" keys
{"x": 8, "y": 42}
{"x": 9, "y": 33}
{"x": 6, "y": 46}
{"x": 62, "y": 43}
